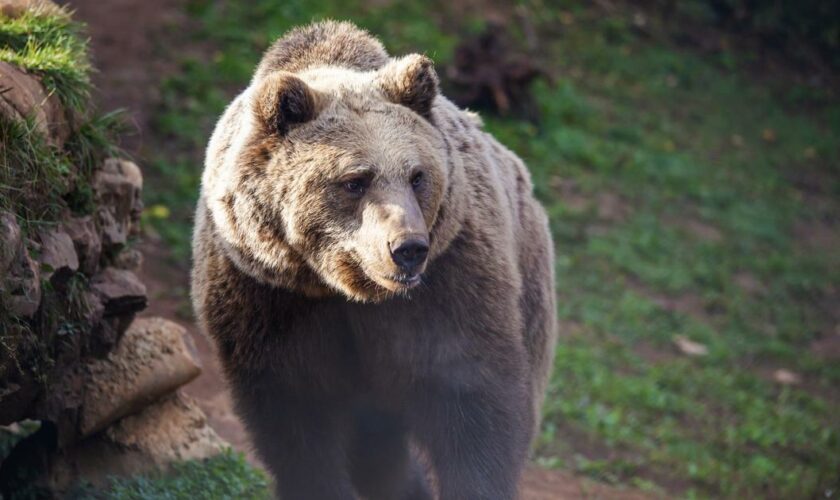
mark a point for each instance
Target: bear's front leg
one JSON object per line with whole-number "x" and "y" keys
{"x": 301, "y": 441}
{"x": 477, "y": 430}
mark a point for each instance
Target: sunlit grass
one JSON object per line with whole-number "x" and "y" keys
{"x": 49, "y": 45}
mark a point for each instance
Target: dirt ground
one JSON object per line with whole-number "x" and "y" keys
{"x": 129, "y": 40}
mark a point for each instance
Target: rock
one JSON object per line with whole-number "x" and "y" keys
{"x": 117, "y": 186}
{"x": 150, "y": 361}
{"x": 689, "y": 347}
{"x": 129, "y": 258}
{"x": 58, "y": 255}
{"x": 786, "y": 377}
{"x": 120, "y": 290}
{"x": 14, "y": 8}
{"x": 23, "y": 96}
{"x": 22, "y": 286}
{"x": 106, "y": 334}
{"x": 127, "y": 170}
{"x": 114, "y": 233}
{"x": 60, "y": 405}
{"x": 174, "y": 429}
{"x": 11, "y": 241}
{"x": 92, "y": 319}
{"x": 86, "y": 240}
{"x": 170, "y": 430}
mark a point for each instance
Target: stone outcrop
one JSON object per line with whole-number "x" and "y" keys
{"x": 58, "y": 255}
{"x": 21, "y": 287}
{"x": 25, "y": 97}
{"x": 10, "y": 235}
{"x": 132, "y": 417}
{"x": 118, "y": 185}
{"x": 72, "y": 280}
{"x": 87, "y": 243}
{"x": 150, "y": 361}
{"x": 100, "y": 386}
{"x": 12, "y": 8}
{"x": 170, "y": 430}
{"x": 68, "y": 293}
{"x": 120, "y": 291}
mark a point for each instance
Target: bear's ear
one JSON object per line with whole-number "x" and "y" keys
{"x": 282, "y": 101}
{"x": 410, "y": 81}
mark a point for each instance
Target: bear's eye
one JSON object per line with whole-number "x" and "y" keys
{"x": 416, "y": 179}
{"x": 356, "y": 185}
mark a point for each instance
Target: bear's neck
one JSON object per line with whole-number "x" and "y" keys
{"x": 451, "y": 123}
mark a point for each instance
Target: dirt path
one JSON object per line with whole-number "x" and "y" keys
{"x": 127, "y": 37}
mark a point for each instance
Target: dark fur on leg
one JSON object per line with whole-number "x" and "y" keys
{"x": 302, "y": 443}
{"x": 478, "y": 441}
{"x": 382, "y": 465}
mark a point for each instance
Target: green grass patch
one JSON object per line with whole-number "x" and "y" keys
{"x": 38, "y": 179}
{"x": 674, "y": 185}
{"x": 226, "y": 476}
{"x": 33, "y": 175}
{"x": 706, "y": 195}
{"x": 51, "y": 46}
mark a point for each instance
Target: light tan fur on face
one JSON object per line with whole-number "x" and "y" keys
{"x": 306, "y": 134}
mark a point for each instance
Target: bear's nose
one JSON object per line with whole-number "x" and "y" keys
{"x": 410, "y": 253}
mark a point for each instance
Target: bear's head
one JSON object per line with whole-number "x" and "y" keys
{"x": 335, "y": 180}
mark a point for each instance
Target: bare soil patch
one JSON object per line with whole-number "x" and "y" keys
{"x": 127, "y": 38}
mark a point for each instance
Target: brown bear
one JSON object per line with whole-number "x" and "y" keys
{"x": 376, "y": 275}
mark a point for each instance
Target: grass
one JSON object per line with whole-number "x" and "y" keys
{"x": 683, "y": 193}
{"x": 38, "y": 179}
{"x": 50, "y": 45}
{"x": 225, "y": 476}
{"x": 33, "y": 175}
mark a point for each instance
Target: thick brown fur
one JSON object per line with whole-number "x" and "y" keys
{"x": 340, "y": 358}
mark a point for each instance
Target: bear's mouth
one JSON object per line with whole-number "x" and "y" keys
{"x": 405, "y": 280}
